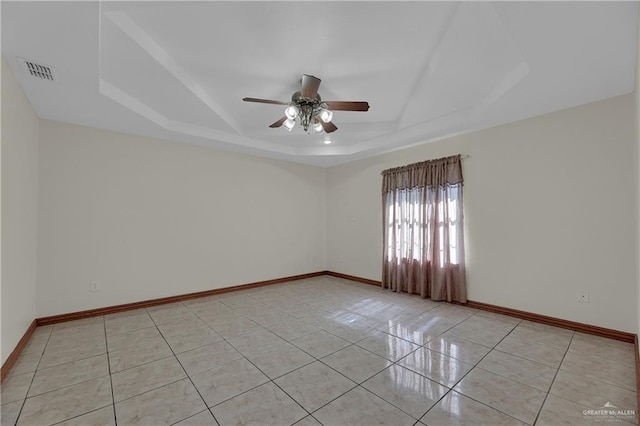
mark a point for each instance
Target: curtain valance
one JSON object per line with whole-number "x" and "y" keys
{"x": 431, "y": 173}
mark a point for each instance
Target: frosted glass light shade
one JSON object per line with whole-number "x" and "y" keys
{"x": 326, "y": 115}
{"x": 289, "y": 124}
{"x": 291, "y": 112}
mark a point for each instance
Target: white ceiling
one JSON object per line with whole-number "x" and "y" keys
{"x": 179, "y": 70}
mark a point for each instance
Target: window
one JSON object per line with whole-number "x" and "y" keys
{"x": 423, "y": 233}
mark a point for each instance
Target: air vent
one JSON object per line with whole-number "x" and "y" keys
{"x": 36, "y": 70}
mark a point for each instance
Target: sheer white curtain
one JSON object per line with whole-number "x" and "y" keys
{"x": 423, "y": 230}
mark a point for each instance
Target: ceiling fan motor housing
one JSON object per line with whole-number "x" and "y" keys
{"x": 309, "y": 108}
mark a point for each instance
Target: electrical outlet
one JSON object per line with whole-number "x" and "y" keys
{"x": 94, "y": 286}
{"x": 583, "y": 296}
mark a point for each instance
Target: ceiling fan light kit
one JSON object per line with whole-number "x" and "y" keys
{"x": 308, "y": 110}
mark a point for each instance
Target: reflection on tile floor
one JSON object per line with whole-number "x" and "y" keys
{"x": 316, "y": 351}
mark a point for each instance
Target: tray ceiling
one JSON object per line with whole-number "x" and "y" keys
{"x": 179, "y": 70}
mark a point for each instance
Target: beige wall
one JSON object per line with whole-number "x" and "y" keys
{"x": 148, "y": 218}
{"x": 549, "y": 209}
{"x": 19, "y": 212}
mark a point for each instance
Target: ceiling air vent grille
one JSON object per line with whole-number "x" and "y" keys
{"x": 43, "y": 72}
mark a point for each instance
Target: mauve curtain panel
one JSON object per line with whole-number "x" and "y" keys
{"x": 423, "y": 238}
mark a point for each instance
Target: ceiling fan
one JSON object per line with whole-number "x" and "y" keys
{"x": 309, "y": 110}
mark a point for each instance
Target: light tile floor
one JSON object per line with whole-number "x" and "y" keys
{"x": 317, "y": 351}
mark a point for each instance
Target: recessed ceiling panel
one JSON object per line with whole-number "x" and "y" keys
{"x": 265, "y": 47}
{"x": 127, "y": 65}
{"x": 178, "y": 70}
{"x": 475, "y": 59}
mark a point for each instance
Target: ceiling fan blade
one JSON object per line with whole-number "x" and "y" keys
{"x": 264, "y": 101}
{"x": 278, "y": 123}
{"x": 328, "y": 127}
{"x": 348, "y": 105}
{"x": 310, "y": 85}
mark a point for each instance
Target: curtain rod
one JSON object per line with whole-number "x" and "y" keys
{"x": 462, "y": 157}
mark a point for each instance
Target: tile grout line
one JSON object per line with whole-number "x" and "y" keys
{"x": 248, "y": 360}
{"x": 270, "y": 379}
{"x": 553, "y": 381}
{"x": 106, "y": 345}
{"x": 26, "y": 395}
{"x": 328, "y": 366}
{"x": 327, "y": 303}
{"x": 471, "y": 369}
{"x": 74, "y": 384}
{"x": 309, "y": 413}
{"x": 183, "y": 369}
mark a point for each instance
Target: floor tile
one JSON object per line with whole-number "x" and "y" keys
{"x": 419, "y": 331}
{"x": 590, "y": 364}
{"x": 71, "y": 337}
{"x": 264, "y": 405}
{"x": 231, "y": 329}
{"x": 546, "y": 335}
{"x": 314, "y": 385}
{"x": 9, "y": 413}
{"x": 436, "y": 366}
{"x": 292, "y": 330}
{"x": 146, "y": 377}
{"x": 411, "y": 392}
{"x": 135, "y": 355}
{"x": 356, "y": 363}
{"x": 206, "y": 357}
{"x": 276, "y": 360}
{"x": 266, "y": 350}
{"x": 301, "y": 310}
{"x": 133, "y": 338}
{"x": 62, "y": 355}
{"x": 387, "y": 346}
{"x": 101, "y": 417}
{"x": 191, "y": 340}
{"x": 591, "y": 393}
{"x": 515, "y": 399}
{"x": 548, "y": 355}
{"x": 127, "y": 321}
{"x": 204, "y": 418}
{"x": 36, "y": 344}
{"x": 361, "y": 407}
{"x": 42, "y": 331}
{"x": 270, "y": 317}
{"x": 320, "y": 343}
{"x": 459, "y": 348}
{"x": 499, "y": 318}
{"x": 72, "y": 373}
{"x": 457, "y": 409}
{"x": 519, "y": 369}
{"x": 612, "y": 349}
{"x": 26, "y": 363}
{"x": 183, "y": 326}
{"x": 170, "y": 315}
{"x": 162, "y": 406}
{"x": 308, "y": 421}
{"x": 63, "y": 404}
{"x": 14, "y": 388}
{"x": 228, "y": 380}
{"x": 253, "y": 343}
{"x": 557, "y": 411}
{"x": 351, "y": 333}
{"x": 79, "y": 328}
{"x": 482, "y": 331}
